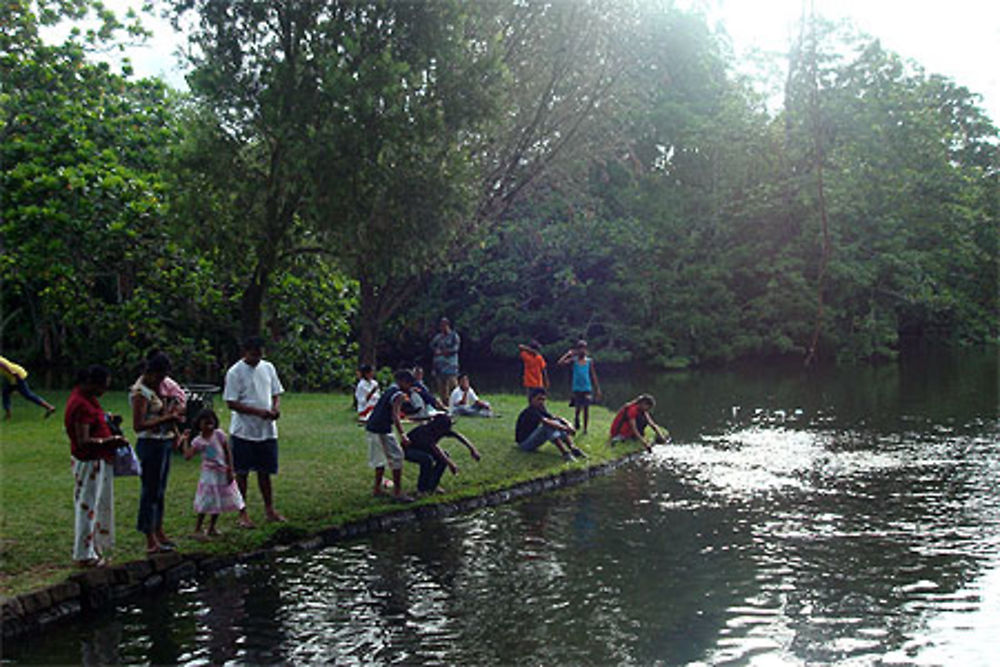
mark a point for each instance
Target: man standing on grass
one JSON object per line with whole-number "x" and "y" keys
{"x": 253, "y": 393}
{"x": 445, "y": 348}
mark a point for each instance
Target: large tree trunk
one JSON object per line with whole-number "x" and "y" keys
{"x": 252, "y": 304}
{"x": 368, "y": 321}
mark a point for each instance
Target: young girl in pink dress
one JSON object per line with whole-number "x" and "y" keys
{"x": 217, "y": 490}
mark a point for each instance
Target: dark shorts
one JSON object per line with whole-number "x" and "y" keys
{"x": 581, "y": 399}
{"x": 258, "y": 455}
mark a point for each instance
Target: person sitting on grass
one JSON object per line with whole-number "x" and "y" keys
{"x": 217, "y": 489}
{"x": 631, "y": 421}
{"x": 585, "y": 386}
{"x": 421, "y": 404}
{"x": 366, "y": 392}
{"x": 465, "y": 403}
{"x": 383, "y": 448}
{"x": 536, "y": 425}
{"x": 425, "y": 451}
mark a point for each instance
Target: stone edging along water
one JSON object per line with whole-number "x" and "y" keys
{"x": 99, "y": 588}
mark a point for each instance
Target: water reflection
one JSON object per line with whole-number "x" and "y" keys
{"x": 846, "y": 519}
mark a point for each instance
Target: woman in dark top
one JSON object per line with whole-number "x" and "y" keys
{"x": 93, "y": 451}
{"x": 425, "y": 451}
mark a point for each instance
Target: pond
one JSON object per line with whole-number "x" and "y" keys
{"x": 849, "y": 515}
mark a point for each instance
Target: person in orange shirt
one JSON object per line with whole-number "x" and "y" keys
{"x": 535, "y": 375}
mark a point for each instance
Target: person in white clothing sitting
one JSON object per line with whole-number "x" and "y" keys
{"x": 464, "y": 401}
{"x": 366, "y": 394}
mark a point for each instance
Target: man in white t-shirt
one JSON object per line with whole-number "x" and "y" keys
{"x": 464, "y": 401}
{"x": 253, "y": 394}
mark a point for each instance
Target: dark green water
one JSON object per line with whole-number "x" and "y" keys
{"x": 849, "y": 516}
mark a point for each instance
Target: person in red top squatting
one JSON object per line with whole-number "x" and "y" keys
{"x": 93, "y": 448}
{"x": 535, "y": 375}
{"x": 631, "y": 421}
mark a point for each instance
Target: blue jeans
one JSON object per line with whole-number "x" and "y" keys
{"x": 22, "y": 388}
{"x": 431, "y": 468}
{"x": 154, "y": 456}
{"x": 540, "y": 436}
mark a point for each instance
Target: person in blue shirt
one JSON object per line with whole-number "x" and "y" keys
{"x": 445, "y": 347}
{"x": 585, "y": 386}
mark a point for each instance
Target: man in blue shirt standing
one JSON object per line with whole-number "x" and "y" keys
{"x": 445, "y": 348}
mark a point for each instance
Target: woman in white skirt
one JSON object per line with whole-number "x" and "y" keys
{"x": 92, "y": 445}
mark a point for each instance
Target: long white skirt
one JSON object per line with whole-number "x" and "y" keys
{"x": 93, "y": 501}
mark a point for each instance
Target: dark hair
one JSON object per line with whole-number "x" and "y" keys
{"x": 93, "y": 374}
{"x": 206, "y": 413}
{"x": 440, "y": 424}
{"x": 646, "y": 398}
{"x": 158, "y": 363}
{"x": 253, "y": 344}
{"x": 535, "y": 344}
{"x": 404, "y": 375}
{"x": 536, "y": 392}
{"x": 462, "y": 375}
{"x": 581, "y": 343}
{"x": 366, "y": 368}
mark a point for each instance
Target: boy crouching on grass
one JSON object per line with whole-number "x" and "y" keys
{"x": 536, "y": 425}
{"x": 382, "y": 444}
{"x": 631, "y": 421}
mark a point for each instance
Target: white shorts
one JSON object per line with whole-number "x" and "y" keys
{"x": 383, "y": 449}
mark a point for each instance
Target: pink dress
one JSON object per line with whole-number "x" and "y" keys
{"x": 215, "y": 493}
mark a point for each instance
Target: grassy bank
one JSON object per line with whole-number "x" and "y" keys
{"x": 324, "y": 480}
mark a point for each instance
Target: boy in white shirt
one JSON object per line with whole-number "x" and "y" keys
{"x": 366, "y": 394}
{"x": 464, "y": 401}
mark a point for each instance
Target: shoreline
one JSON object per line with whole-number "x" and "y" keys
{"x": 89, "y": 590}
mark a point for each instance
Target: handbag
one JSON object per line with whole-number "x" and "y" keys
{"x": 126, "y": 462}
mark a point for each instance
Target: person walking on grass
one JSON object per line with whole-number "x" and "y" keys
{"x": 253, "y": 394}
{"x": 425, "y": 451}
{"x": 535, "y": 374}
{"x": 15, "y": 378}
{"x": 536, "y": 426}
{"x": 631, "y": 421}
{"x": 155, "y": 423}
{"x": 217, "y": 489}
{"x": 92, "y": 446}
{"x": 585, "y": 385}
{"x": 383, "y": 448}
{"x": 445, "y": 346}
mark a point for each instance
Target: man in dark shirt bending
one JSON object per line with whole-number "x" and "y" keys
{"x": 536, "y": 425}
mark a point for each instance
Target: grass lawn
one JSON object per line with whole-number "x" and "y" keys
{"x": 324, "y": 479}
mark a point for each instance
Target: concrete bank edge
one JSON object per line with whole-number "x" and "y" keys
{"x": 94, "y": 589}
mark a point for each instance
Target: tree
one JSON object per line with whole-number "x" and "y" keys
{"x": 81, "y": 192}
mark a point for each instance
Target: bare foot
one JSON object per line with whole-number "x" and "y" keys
{"x": 198, "y": 536}
{"x": 275, "y": 517}
{"x": 213, "y": 532}
{"x": 245, "y": 522}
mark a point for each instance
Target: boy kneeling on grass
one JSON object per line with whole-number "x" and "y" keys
{"x": 382, "y": 444}
{"x": 536, "y": 425}
{"x": 631, "y": 421}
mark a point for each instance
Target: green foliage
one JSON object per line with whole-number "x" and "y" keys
{"x": 310, "y": 319}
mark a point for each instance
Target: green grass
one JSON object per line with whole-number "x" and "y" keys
{"x": 324, "y": 480}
